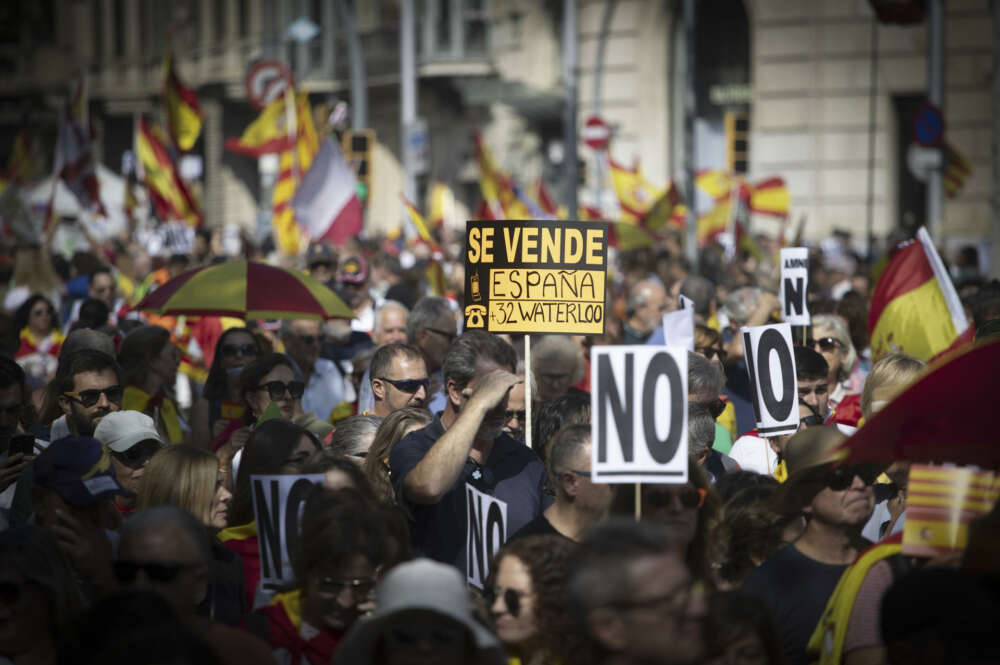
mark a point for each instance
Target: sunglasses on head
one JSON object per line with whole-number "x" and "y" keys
{"x": 91, "y": 397}
{"x": 712, "y": 352}
{"x": 841, "y": 477}
{"x": 277, "y": 389}
{"x": 408, "y": 386}
{"x": 511, "y": 599}
{"x": 239, "y": 350}
{"x": 138, "y": 454}
{"x": 690, "y": 497}
{"x": 126, "y": 571}
{"x": 825, "y": 343}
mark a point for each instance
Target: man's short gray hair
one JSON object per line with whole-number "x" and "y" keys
{"x": 388, "y": 305}
{"x": 561, "y": 347}
{"x": 701, "y": 291}
{"x": 741, "y": 303}
{"x": 427, "y": 310}
{"x": 351, "y": 432}
{"x": 704, "y": 377}
{"x": 637, "y": 297}
{"x": 701, "y": 430}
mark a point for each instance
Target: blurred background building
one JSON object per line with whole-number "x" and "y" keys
{"x": 783, "y": 88}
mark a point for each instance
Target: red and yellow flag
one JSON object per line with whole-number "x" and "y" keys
{"x": 769, "y": 197}
{"x": 941, "y": 502}
{"x": 182, "y": 108}
{"x": 915, "y": 308}
{"x": 441, "y": 203}
{"x": 169, "y": 194}
{"x": 22, "y": 165}
{"x": 274, "y": 130}
{"x": 499, "y": 199}
{"x": 419, "y": 223}
{"x": 636, "y": 195}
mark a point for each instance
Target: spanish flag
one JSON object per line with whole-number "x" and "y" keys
{"x": 500, "y": 201}
{"x": 666, "y": 211}
{"x": 171, "y": 197}
{"x": 419, "y": 223}
{"x": 915, "y": 308}
{"x": 183, "y": 110}
{"x": 769, "y": 197}
{"x": 275, "y": 128}
{"x": 433, "y": 273}
{"x": 441, "y": 204}
{"x": 636, "y": 195}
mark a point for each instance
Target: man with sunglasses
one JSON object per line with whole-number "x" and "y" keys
{"x": 166, "y": 550}
{"x": 432, "y": 328}
{"x": 466, "y": 444}
{"x": 132, "y": 440}
{"x": 326, "y": 385}
{"x": 836, "y": 501}
{"x": 634, "y": 599}
{"x": 398, "y": 379}
{"x": 88, "y": 386}
{"x": 763, "y": 455}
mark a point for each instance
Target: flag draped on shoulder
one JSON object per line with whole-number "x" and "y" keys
{"x": 170, "y": 195}
{"x": 183, "y": 112}
{"x": 326, "y": 201}
{"x": 915, "y": 308}
{"x": 73, "y": 161}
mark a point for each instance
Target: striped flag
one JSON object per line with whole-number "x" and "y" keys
{"x": 441, "y": 205}
{"x": 170, "y": 196}
{"x": 915, "y": 308}
{"x": 956, "y": 170}
{"x": 500, "y": 201}
{"x": 182, "y": 109}
{"x": 941, "y": 502}
{"x": 73, "y": 162}
{"x": 434, "y": 272}
{"x": 419, "y": 223}
{"x": 636, "y": 195}
{"x": 769, "y": 197}
{"x": 326, "y": 202}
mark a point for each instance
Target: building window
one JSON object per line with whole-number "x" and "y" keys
{"x": 97, "y": 29}
{"x": 220, "y": 19}
{"x": 244, "y": 17}
{"x": 118, "y": 23}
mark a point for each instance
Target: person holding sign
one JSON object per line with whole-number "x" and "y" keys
{"x": 466, "y": 444}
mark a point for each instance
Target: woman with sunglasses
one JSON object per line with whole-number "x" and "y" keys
{"x": 190, "y": 478}
{"x": 150, "y": 360}
{"x": 40, "y": 340}
{"x": 831, "y": 338}
{"x": 526, "y": 594}
{"x": 393, "y": 428}
{"x": 219, "y": 409}
{"x": 345, "y": 546}
{"x": 38, "y": 595}
{"x": 275, "y": 447}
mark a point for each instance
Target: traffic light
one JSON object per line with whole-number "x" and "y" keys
{"x": 358, "y": 146}
{"x": 737, "y": 124}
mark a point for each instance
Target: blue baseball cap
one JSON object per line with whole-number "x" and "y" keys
{"x": 78, "y": 468}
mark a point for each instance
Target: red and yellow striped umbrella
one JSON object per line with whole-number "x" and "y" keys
{"x": 246, "y": 290}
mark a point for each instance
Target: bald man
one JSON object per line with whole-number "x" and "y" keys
{"x": 647, "y": 303}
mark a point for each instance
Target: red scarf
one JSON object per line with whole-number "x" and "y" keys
{"x": 285, "y": 617}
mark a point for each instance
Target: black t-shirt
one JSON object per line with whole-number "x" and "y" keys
{"x": 796, "y": 589}
{"x": 512, "y": 473}
{"x": 540, "y": 526}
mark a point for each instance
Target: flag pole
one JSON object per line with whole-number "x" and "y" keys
{"x": 638, "y": 501}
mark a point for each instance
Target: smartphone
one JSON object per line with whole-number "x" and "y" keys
{"x": 22, "y": 443}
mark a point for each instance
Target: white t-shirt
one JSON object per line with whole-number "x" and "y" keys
{"x": 754, "y": 453}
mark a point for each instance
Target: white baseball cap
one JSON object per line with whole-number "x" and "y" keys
{"x": 121, "y": 430}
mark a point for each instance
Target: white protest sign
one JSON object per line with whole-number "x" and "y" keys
{"x": 486, "y": 531}
{"x": 683, "y": 302}
{"x": 639, "y": 404}
{"x": 771, "y": 365}
{"x": 278, "y": 502}
{"x": 794, "y": 282}
{"x": 678, "y": 328}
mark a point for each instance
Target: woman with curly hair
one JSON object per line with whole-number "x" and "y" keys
{"x": 526, "y": 593}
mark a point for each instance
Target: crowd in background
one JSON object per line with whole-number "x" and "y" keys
{"x": 128, "y": 441}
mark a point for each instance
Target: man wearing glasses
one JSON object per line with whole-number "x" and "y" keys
{"x": 432, "y": 328}
{"x": 88, "y": 386}
{"x": 132, "y": 440}
{"x": 398, "y": 379}
{"x": 634, "y": 598}
{"x": 797, "y": 580}
{"x": 326, "y": 385}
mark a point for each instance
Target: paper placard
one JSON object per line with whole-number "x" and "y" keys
{"x": 794, "y": 283}
{"x": 639, "y": 404}
{"x": 278, "y": 502}
{"x": 771, "y": 365}
{"x": 678, "y": 328}
{"x": 486, "y": 531}
{"x": 536, "y": 276}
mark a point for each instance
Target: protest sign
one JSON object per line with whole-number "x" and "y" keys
{"x": 794, "y": 282}
{"x": 536, "y": 276}
{"x": 678, "y": 328}
{"x": 486, "y": 531}
{"x": 683, "y": 302}
{"x": 771, "y": 365}
{"x": 277, "y": 506}
{"x": 639, "y": 406}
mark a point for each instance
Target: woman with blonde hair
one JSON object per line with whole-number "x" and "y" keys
{"x": 190, "y": 478}
{"x": 33, "y": 274}
{"x": 393, "y": 428}
{"x": 831, "y": 338}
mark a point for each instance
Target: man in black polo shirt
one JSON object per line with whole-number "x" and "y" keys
{"x": 466, "y": 444}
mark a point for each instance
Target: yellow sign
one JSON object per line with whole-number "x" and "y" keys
{"x": 534, "y": 276}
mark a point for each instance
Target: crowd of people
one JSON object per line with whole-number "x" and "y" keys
{"x": 129, "y": 439}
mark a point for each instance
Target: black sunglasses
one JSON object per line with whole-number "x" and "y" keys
{"x": 359, "y": 588}
{"x": 408, "y": 386}
{"x": 711, "y": 351}
{"x": 840, "y": 478}
{"x": 126, "y": 571}
{"x": 89, "y": 398}
{"x": 825, "y": 343}
{"x": 510, "y": 415}
{"x": 138, "y": 454}
{"x": 511, "y": 598}
{"x": 277, "y": 389}
{"x": 239, "y": 350}
{"x": 690, "y": 497}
